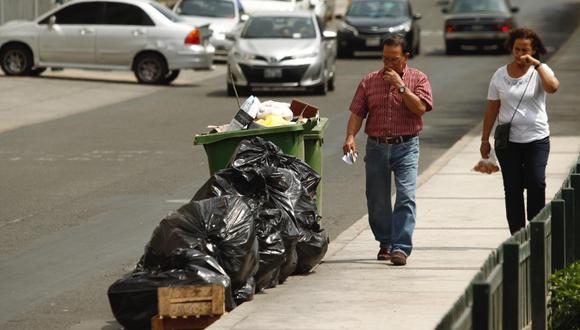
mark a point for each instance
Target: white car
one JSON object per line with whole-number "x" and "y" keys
{"x": 223, "y": 16}
{"x": 324, "y": 9}
{"x": 282, "y": 51}
{"x": 254, "y": 6}
{"x": 138, "y": 35}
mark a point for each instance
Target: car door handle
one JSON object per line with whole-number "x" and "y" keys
{"x": 138, "y": 32}
{"x": 85, "y": 31}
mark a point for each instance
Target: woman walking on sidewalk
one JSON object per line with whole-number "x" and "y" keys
{"x": 516, "y": 99}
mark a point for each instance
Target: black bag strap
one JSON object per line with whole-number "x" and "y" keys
{"x": 521, "y": 98}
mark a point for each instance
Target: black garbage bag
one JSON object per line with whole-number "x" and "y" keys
{"x": 309, "y": 178}
{"x": 283, "y": 189}
{"x": 176, "y": 231}
{"x": 222, "y": 227}
{"x": 257, "y": 153}
{"x": 269, "y": 228}
{"x": 133, "y": 299}
{"x": 246, "y": 292}
{"x": 313, "y": 240}
{"x": 290, "y": 261}
{"x": 231, "y": 181}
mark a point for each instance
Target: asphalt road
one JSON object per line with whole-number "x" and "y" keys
{"x": 84, "y": 183}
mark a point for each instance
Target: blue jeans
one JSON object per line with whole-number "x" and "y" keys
{"x": 392, "y": 227}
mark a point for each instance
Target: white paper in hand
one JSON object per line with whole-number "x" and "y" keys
{"x": 350, "y": 157}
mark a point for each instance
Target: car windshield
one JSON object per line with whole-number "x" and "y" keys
{"x": 213, "y": 8}
{"x": 166, "y": 12}
{"x": 479, "y": 6}
{"x": 279, "y": 27}
{"x": 377, "y": 9}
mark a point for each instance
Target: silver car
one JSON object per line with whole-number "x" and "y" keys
{"x": 138, "y": 35}
{"x": 283, "y": 51}
{"x": 223, "y": 16}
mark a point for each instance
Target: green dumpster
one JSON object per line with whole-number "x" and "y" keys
{"x": 220, "y": 147}
{"x": 313, "y": 140}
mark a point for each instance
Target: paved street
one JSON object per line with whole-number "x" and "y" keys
{"x": 91, "y": 161}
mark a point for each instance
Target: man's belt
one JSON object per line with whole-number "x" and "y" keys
{"x": 392, "y": 139}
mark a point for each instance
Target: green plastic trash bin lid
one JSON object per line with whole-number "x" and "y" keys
{"x": 220, "y": 147}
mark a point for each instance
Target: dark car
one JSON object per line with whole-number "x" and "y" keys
{"x": 477, "y": 23}
{"x": 368, "y": 22}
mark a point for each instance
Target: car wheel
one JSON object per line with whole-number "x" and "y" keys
{"x": 151, "y": 69}
{"x": 171, "y": 76}
{"x": 451, "y": 48}
{"x": 16, "y": 60}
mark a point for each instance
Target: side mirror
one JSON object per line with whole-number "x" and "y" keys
{"x": 244, "y": 17}
{"x": 51, "y": 21}
{"x": 515, "y": 9}
{"x": 445, "y": 10}
{"x": 329, "y": 35}
{"x": 417, "y": 16}
{"x": 339, "y": 16}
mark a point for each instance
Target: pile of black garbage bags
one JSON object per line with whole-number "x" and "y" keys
{"x": 248, "y": 228}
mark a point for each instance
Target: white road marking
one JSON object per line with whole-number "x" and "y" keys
{"x": 178, "y": 201}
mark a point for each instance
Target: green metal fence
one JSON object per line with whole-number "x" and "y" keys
{"x": 510, "y": 291}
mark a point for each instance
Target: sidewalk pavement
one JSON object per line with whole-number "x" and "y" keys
{"x": 461, "y": 219}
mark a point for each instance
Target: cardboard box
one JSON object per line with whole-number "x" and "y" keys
{"x": 303, "y": 109}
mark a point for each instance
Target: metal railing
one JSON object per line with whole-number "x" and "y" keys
{"x": 511, "y": 289}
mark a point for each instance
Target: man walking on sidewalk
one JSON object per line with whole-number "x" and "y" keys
{"x": 393, "y": 100}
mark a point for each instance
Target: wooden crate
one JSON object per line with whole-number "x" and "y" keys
{"x": 188, "y": 307}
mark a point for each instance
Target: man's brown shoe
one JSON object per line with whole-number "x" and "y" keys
{"x": 384, "y": 254}
{"x": 398, "y": 258}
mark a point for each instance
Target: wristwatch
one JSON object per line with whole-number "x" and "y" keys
{"x": 402, "y": 89}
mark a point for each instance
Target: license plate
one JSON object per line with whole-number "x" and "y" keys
{"x": 477, "y": 28}
{"x": 272, "y": 73}
{"x": 372, "y": 42}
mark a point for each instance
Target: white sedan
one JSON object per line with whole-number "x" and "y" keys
{"x": 282, "y": 51}
{"x": 138, "y": 35}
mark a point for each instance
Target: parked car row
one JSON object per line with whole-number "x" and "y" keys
{"x": 286, "y": 47}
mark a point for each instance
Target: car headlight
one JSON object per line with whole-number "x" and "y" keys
{"x": 405, "y": 27}
{"x": 305, "y": 55}
{"x": 244, "y": 56}
{"x": 345, "y": 27}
